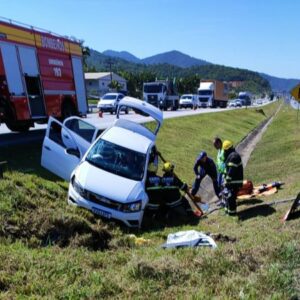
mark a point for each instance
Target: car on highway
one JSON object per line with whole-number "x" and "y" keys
{"x": 231, "y": 103}
{"x": 238, "y": 103}
{"x": 110, "y": 102}
{"x": 259, "y": 102}
{"x": 109, "y": 178}
{"x": 188, "y": 101}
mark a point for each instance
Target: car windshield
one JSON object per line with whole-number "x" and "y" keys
{"x": 109, "y": 97}
{"x": 117, "y": 160}
{"x": 186, "y": 97}
{"x": 205, "y": 92}
{"x": 153, "y": 88}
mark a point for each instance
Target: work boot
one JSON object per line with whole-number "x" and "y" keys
{"x": 231, "y": 213}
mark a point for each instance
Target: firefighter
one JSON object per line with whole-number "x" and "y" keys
{"x": 233, "y": 177}
{"x": 207, "y": 167}
{"x": 178, "y": 208}
{"x": 155, "y": 194}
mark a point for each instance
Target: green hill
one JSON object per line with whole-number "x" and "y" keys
{"x": 136, "y": 74}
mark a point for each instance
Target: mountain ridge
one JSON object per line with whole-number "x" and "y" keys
{"x": 178, "y": 59}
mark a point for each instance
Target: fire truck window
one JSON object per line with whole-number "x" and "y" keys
{"x": 33, "y": 85}
{"x": 83, "y": 129}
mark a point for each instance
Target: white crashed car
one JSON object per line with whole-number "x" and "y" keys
{"x": 109, "y": 178}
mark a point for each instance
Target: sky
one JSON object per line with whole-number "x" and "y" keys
{"x": 259, "y": 35}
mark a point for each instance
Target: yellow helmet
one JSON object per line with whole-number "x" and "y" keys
{"x": 152, "y": 167}
{"x": 227, "y": 145}
{"x": 168, "y": 167}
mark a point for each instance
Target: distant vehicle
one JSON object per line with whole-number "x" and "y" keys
{"x": 109, "y": 102}
{"x": 109, "y": 178}
{"x": 212, "y": 93}
{"x": 41, "y": 75}
{"x": 259, "y": 102}
{"x": 238, "y": 103}
{"x": 162, "y": 94}
{"x": 231, "y": 103}
{"x": 246, "y": 97}
{"x": 188, "y": 100}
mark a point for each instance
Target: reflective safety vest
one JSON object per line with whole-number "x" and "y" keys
{"x": 221, "y": 162}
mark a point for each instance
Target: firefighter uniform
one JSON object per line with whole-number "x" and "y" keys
{"x": 178, "y": 208}
{"x": 233, "y": 177}
{"x": 154, "y": 192}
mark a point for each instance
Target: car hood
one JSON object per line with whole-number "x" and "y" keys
{"x": 106, "y": 184}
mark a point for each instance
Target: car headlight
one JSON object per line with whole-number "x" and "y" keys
{"x": 78, "y": 188}
{"x": 132, "y": 207}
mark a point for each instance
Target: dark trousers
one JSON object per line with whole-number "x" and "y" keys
{"x": 197, "y": 182}
{"x": 231, "y": 200}
{"x": 220, "y": 180}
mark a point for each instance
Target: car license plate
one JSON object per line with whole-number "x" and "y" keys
{"x": 101, "y": 212}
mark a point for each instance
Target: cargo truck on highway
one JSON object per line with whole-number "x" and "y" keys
{"x": 162, "y": 94}
{"x": 212, "y": 93}
{"x": 41, "y": 75}
{"x": 246, "y": 98}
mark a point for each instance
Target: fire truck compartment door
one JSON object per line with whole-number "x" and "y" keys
{"x": 28, "y": 61}
{"x": 12, "y": 69}
{"x": 55, "y": 156}
{"x": 79, "y": 84}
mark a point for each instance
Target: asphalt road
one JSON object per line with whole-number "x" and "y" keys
{"x": 37, "y": 133}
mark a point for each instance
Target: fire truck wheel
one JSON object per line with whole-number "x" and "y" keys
{"x": 68, "y": 110}
{"x": 18, "y": 126}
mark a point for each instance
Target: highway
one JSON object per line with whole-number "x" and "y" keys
{"x": 37, "y": 133}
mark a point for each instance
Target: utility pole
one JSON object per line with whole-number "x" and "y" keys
{"x": 110, "y": 63}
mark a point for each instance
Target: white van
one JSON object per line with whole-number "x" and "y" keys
{"x": 109, "y": 102}
{"x": 109, "y": 178}
{"x": 188, "y": 100}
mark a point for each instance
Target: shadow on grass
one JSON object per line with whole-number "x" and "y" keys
{"x": 252, "y": 201}
{"x": 263, "y": 210}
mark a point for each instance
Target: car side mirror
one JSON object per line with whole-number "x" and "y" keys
{"x": 73, "y": 151}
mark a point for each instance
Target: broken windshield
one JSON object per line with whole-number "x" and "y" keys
{"x": 117, "y": 160}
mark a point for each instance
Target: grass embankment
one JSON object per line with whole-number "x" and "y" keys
{"x": 47, "y": 248}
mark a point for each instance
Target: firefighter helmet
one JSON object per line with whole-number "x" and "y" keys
{"x": 168, "y": 167}
{"x": 227, "y": 145}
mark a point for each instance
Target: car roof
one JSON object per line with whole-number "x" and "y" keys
{"x": 127, "y": 138}
{"x": 113, "y": 94}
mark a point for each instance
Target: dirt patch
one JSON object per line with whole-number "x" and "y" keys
{"x": 219, "y": 237}
{"x": 39, "y": 230}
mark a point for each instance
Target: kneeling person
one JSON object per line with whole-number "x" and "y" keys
{"x": 178, "y": 208}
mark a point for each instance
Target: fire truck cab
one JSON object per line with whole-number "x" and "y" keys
{"x": 41, "y": 75}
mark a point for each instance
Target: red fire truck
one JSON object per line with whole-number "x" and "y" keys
{"x": 41, "y": 75}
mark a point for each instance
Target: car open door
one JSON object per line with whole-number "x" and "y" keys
{"x": 60, "y": 157}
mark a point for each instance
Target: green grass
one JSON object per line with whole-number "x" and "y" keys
{"x": 49, "y": 250}
{"x": 93, "y": 101}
